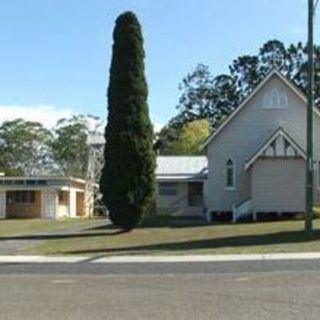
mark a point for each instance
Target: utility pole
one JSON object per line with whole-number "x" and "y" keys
{"x": 309, "y": 162}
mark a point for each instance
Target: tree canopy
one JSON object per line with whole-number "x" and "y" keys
{"x": 69, "y": 146}
{"x": 185, "y": 140}
{"x": 215, "y": 97}
{"x": 205, "y": 96}
{"x": 28, "y": 148}
{"x": 24, "y": 148}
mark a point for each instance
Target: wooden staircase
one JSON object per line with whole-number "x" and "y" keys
{"x": 242, "y": 210}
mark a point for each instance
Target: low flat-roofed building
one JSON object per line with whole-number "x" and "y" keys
{"x": 48, "y": 197}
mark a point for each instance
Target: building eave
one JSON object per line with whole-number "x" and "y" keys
{"x": 163, "y": 178}
{"x": 279, "y": 132}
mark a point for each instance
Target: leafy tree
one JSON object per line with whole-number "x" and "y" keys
{"x": 205, "y": 96}
{"x": 24, "y": 148}
{"x": 244, "y": 71}
{"x": 192, "y": 135}
{"x": 248, "y": 71}
{"x": 166, "y": 138}
{"x": 214, "y": 98}
{"x": 291, "y": 61}
{"x": 69, "y": 146}
{"x": 128, "y": 180}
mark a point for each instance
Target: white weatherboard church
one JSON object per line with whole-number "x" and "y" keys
{"x": 255, "y": 160}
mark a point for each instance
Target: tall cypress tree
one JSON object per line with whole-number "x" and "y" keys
{"x": 128, "y": 178}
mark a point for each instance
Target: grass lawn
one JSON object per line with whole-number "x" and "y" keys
{"x": 96, "y": 237}
{"x": 14, "y": 227}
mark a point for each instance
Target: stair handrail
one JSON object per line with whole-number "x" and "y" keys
{"x": 235, "y": 209}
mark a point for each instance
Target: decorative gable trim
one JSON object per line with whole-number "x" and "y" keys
{"x": 278, "y": 145}
{"x": 275, "y": 72}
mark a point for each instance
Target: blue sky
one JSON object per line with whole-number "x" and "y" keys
{"x": 55, "y": 55}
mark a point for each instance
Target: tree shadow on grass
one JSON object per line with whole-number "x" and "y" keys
{"x": 54, "y": 236}
{"x": 286, "y": 237}
{"x": 157, "y": 222}
{"x": 107, "y": 226}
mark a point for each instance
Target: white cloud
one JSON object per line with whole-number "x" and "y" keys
{"x": 47, "y": 115}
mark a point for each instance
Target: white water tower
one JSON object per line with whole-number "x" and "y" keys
{"x": 95, "y": 142}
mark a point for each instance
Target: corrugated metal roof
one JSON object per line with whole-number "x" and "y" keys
{"x": 182, "y": 167}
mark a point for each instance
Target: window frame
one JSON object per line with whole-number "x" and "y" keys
{"x": 231, "y": 166}
{"x": 21, "y": 197}
{"x": 172, "y": 186}
{"x": 275, "y": 95}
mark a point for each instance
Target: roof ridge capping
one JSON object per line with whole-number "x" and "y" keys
{"x": 274, "y": 72}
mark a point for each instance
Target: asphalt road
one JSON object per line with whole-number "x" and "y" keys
{"x": 233, "y": 290}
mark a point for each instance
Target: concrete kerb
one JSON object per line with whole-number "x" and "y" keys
{"x": 158, "y": 259}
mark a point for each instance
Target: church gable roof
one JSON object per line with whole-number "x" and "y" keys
{"x": 278, "y": 145}
{"x": 245, "y": 102}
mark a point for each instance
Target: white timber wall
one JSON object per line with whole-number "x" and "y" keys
{"x": 177, "y": 205}
{"x": 2, "y": 204}
{"x": 49, "y": 204}
{"x": 278, "y": 185}
{"x": 242, "y": 137}
{"x": 72, "y": 203}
